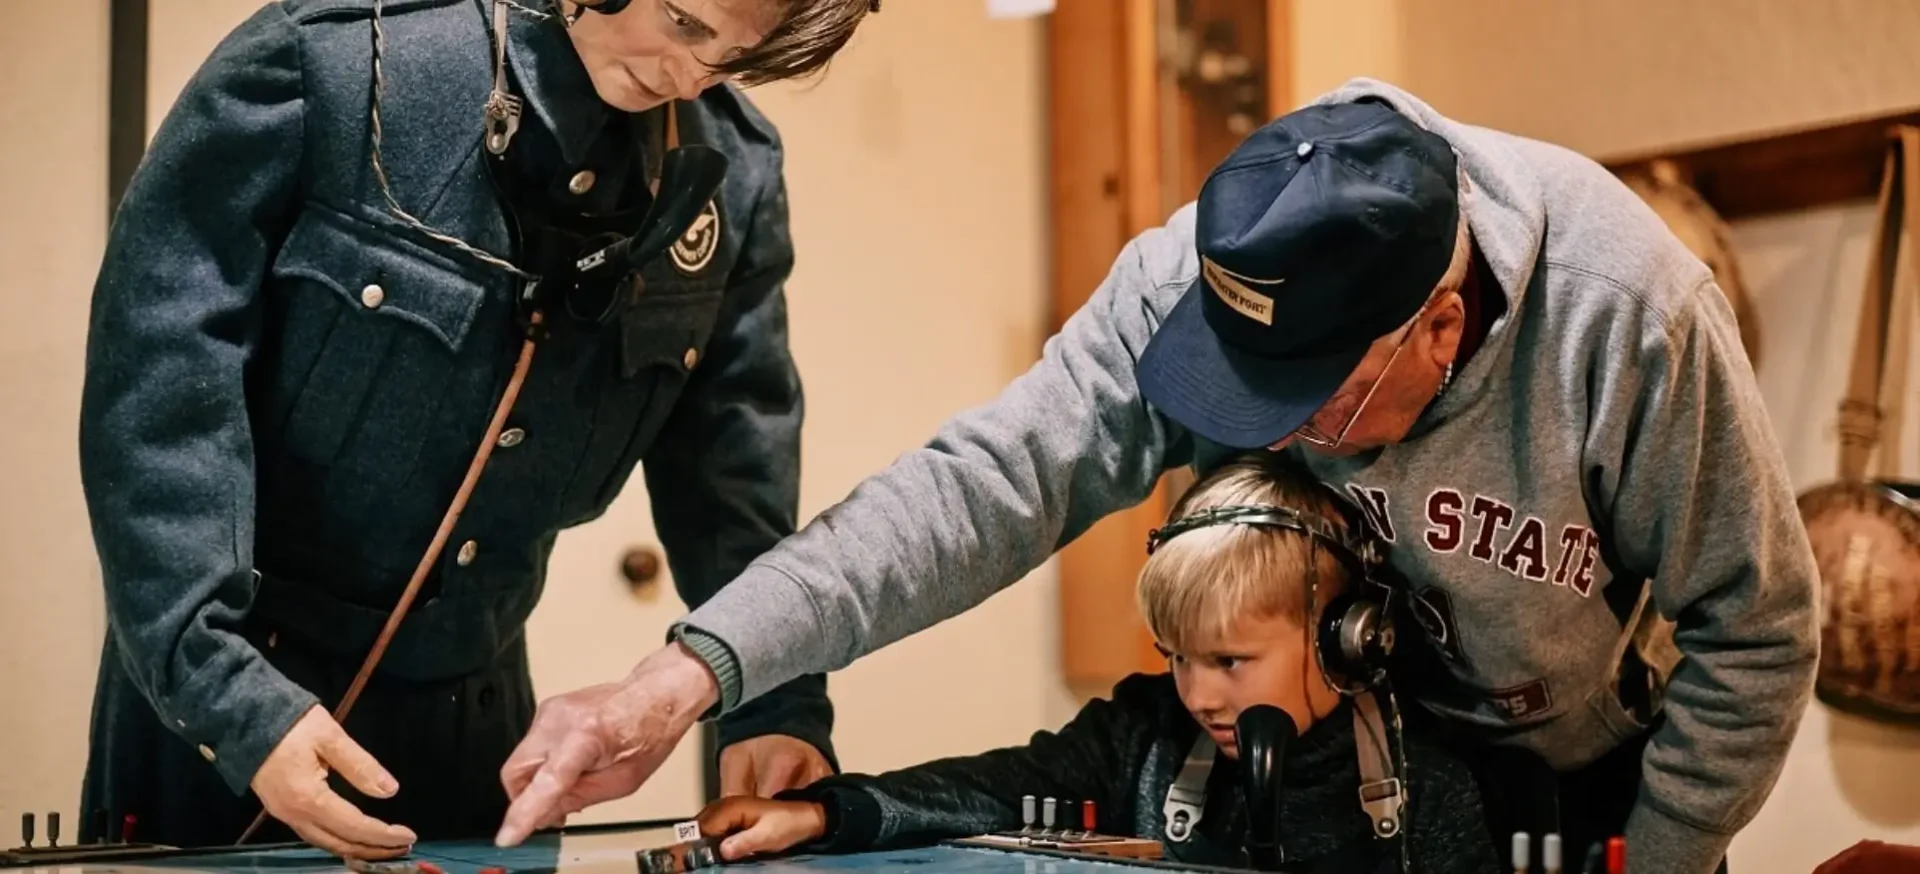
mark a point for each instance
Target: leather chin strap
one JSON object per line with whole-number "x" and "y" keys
{"x": 1382, "y": 794}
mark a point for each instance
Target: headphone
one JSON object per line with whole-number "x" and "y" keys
{"x": 613, "y": 7}
{"x": 1353, "y": 642}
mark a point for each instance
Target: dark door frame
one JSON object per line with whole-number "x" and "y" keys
{"x": 126, "y": 95}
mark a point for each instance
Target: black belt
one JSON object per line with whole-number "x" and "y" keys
{"x": 442, "y": 638}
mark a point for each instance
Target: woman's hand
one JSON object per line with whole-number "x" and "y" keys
{"x": 292, "y": 784}
{"x": 752, "y": 825}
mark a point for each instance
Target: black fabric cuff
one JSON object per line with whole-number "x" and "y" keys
{"x": 853, "y": 816}
{"x": 798, "y": 709}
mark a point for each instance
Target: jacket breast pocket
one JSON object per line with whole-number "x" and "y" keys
{"x": 665, "y": 339}
{"x": 376, "y": 334}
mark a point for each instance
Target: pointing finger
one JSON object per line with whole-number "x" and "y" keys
{"x": 541, "y": 798}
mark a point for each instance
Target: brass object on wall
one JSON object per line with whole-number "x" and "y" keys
{"x": 1865, "y": 529}
{"x": 1663, "y": 186}
{"x": 1866, "y": 541}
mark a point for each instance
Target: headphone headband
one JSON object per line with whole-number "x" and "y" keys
{"x": 1354, "y": 540}
{"x": 1354, "y": 637}
{"x": 614, "y": 7}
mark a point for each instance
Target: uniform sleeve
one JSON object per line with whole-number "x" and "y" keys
{"x": 724, "y": 474}
{"x": 997, "y": 491}
{"x": 1097, "y": 757}
{"x": 1701, "y": 504}
{"x": 166, "y": 452}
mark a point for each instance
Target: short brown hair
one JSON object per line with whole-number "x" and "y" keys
{"x": 1196, "y": 584}
{"x": 809, "y": 34}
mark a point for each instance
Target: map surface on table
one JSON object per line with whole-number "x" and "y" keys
{"x": 598, "y": 850}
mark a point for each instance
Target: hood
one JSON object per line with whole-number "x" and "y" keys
{"x": 1506, "y": 209}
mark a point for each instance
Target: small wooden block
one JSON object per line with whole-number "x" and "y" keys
{"x": 395, "y": 866}
{"x": 1070, "y": 842}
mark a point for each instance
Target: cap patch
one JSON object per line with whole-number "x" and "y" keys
{"x": 1236, "y": 291}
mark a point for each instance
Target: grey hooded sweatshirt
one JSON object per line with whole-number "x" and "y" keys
{"x": 1608, "y": 438}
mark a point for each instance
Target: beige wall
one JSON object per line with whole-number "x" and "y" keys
{"x": 1610, "y": 77}
{"x": 922, "y": 149}
{"x": 918, "y": 177}
{"x": 1627, "y": 76}
{"x": 53, "y": 195}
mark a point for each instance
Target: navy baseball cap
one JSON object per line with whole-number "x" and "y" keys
{"x": 1325, "y": 230}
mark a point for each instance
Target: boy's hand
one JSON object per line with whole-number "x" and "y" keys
{"x": 769, "y": 765}
{"x": 761, "y": 825}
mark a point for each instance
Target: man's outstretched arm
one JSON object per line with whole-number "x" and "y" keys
{"x": 997, "y": 491}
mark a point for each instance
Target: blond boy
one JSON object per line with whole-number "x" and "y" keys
{"x": 1235, "y": 592}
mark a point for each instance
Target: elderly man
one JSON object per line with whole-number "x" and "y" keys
{"x": 1538, "y": 396}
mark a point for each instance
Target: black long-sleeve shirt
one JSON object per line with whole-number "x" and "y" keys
{"x": 1123, "y": 753}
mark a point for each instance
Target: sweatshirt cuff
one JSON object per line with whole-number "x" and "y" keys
{"x": 768, "y": 624}
{"x": 719, "y": 659}
{"x": 1660, "y": 844}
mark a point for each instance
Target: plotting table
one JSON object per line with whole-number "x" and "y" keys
{"x": 606, "y": 849}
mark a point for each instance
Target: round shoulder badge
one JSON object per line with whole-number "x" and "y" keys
{"x": 694, "y": 250}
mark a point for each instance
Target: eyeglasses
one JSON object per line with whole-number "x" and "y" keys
{"x": 1314, "y": 436}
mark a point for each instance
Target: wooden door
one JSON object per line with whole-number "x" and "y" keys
{"x": 1147, "y": 96}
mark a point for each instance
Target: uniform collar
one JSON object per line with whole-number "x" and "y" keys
{"x": 554, "y": 82}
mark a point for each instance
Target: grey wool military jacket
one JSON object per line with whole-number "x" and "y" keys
{"x": 285, "y": 382}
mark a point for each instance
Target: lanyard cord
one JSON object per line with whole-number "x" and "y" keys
{"x": 503, "y": 118}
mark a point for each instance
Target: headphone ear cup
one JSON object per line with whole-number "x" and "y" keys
{"x": 1328, "y": 646}
{"x": 1355, "y": 642}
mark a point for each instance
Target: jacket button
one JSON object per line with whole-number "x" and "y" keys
{"x": 581, "y": 183}
{"x": 206, "y": 752}
{"x": 691, "y": 358}
{"x": 372, "y": 296}
{"x": 510, "y": 438}
{"x": 468, "y": 550}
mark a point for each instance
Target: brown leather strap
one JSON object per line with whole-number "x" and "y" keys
{"x": 440, "y": 537}
{"x": 1869, "y": 413}
{"x": 452, "y": 517}
{"x": 656, "y": 161}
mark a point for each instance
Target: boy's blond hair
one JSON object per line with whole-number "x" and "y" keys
{"x": 1196, "y": 584}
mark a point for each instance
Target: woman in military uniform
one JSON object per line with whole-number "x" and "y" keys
{"x": 403, "y": 289}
